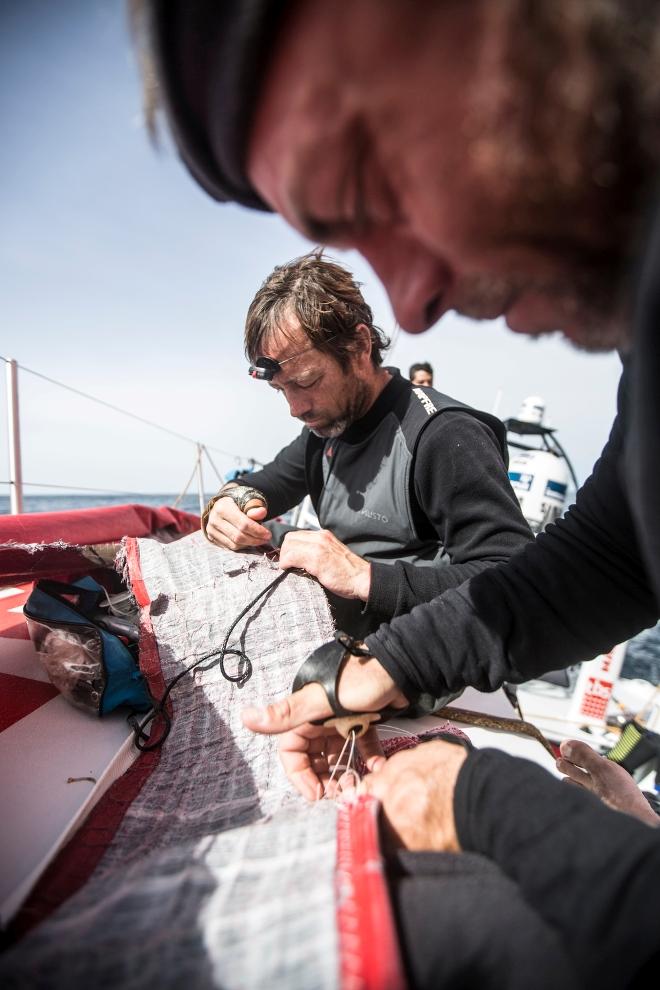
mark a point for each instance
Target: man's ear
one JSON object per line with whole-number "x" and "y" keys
{"x": 362, "y": 343}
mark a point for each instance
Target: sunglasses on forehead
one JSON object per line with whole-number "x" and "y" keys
{"x": 264, "y": 369}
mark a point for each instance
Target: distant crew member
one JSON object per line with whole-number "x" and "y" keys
{"x": 421, "y": 374}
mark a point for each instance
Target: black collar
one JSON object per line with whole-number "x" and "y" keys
{"x": 362, "y": 428}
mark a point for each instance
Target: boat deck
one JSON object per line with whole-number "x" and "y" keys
{"x": 55, "y": 761}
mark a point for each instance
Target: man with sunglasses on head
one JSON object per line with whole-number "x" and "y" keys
{"x": 410, "y": 486}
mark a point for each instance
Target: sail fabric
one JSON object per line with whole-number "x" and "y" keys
{"x": 217, "y": 874}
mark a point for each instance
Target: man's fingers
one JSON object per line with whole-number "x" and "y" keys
{"x": 256, "y": 510}
{"x": 306, "y": 705}
{"x": 371, "y": 751}
{"x": 304, "y": 774}
{"x": 296, "y": 552}
{"x": 309, "y": 756}
{"x": 369, "y": 689}
{"x": 331, "y": 562}
{"x": 579, "y": 754}
{"x": 573, "y": 773}
{"x": 348, "y": 781}
{"x": 304, "y": 777}
{"x": 232, "y": 529}
{"x": 244, "y": 530}
{"x": 307, "y": 548}
{"x": 372, "y": 783}
{"x": 579, "y": 763}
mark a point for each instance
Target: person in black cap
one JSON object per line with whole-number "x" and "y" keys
{"x": 410, "y": 486}
{"x": 498, "y": 159}
{"x": 427, "y": 167}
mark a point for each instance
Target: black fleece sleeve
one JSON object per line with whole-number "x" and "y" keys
{"x": 593, "y": 874}
{"x": 282, "y": 481}
{"x": 574, "y": 592}
{"x": 463, "y": 490}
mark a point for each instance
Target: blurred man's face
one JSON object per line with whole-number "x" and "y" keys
{"x": 424, "y": 378}
{"x": 407, "y": 135}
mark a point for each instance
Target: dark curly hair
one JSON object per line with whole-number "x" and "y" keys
{"x": 327, "y": 301}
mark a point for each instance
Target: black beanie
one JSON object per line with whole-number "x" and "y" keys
{"x": 210, "y": 57}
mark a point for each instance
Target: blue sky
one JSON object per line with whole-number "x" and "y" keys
{"x": 119, "y": 277}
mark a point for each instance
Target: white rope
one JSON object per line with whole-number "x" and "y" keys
{"x": 75, "y": 488}
{"x": 396, "y": 730}
{"x": 348, "y": 766}
{"x": 192, "y": 475}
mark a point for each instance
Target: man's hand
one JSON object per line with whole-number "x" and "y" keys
{"x": 336, "y": 567}
{"x": 311, "y": 753}
{"x": 607, "y": 780}
{"x": 416, "y": 790}
{"x": 364, "y": 685}
{"x": 232, "y": 529}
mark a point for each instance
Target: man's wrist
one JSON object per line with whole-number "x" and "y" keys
{"x": 362, "y": 585}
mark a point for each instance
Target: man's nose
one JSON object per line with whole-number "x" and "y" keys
{"x": 416, "y": 280}
{"x": 299, "y": 405}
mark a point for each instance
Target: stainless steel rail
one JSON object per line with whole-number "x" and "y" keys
{"x": 14, "y": 439}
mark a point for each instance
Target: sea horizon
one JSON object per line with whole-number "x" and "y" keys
{"x": 63, "y": 502}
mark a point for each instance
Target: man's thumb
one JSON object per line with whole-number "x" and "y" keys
{"x": 304, "y": 706}
{"x": 257, "y": 512}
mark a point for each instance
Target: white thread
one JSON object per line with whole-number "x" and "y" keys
{"x": 397, "y": 730}
{"x": 346, "y": 767}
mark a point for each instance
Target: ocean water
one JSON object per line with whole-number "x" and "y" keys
{"x": 59, "y": 503}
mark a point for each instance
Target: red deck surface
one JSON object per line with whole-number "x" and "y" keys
{"x": 20, "y": 694}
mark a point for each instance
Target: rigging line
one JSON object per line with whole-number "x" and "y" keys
{"x": 75, "y": 488}
{"x": 124, "y": 412}
{"x": 188, "y": 483}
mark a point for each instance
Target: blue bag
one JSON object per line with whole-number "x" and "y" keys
{"x": 90, "y": 665}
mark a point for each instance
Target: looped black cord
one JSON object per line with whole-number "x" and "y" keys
{"x": 351, "y": 644}
{"x": 143, "y": 742}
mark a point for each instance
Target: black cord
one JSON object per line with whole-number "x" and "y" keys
{"x": 570, "y": 466}
{"x": 244, "y": 672}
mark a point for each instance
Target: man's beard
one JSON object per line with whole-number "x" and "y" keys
{"x": 332, "y": 430}
{"x": 575, "y": 148}
{"x": 587, "y": 306}
{"x": 355, "y": 408}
